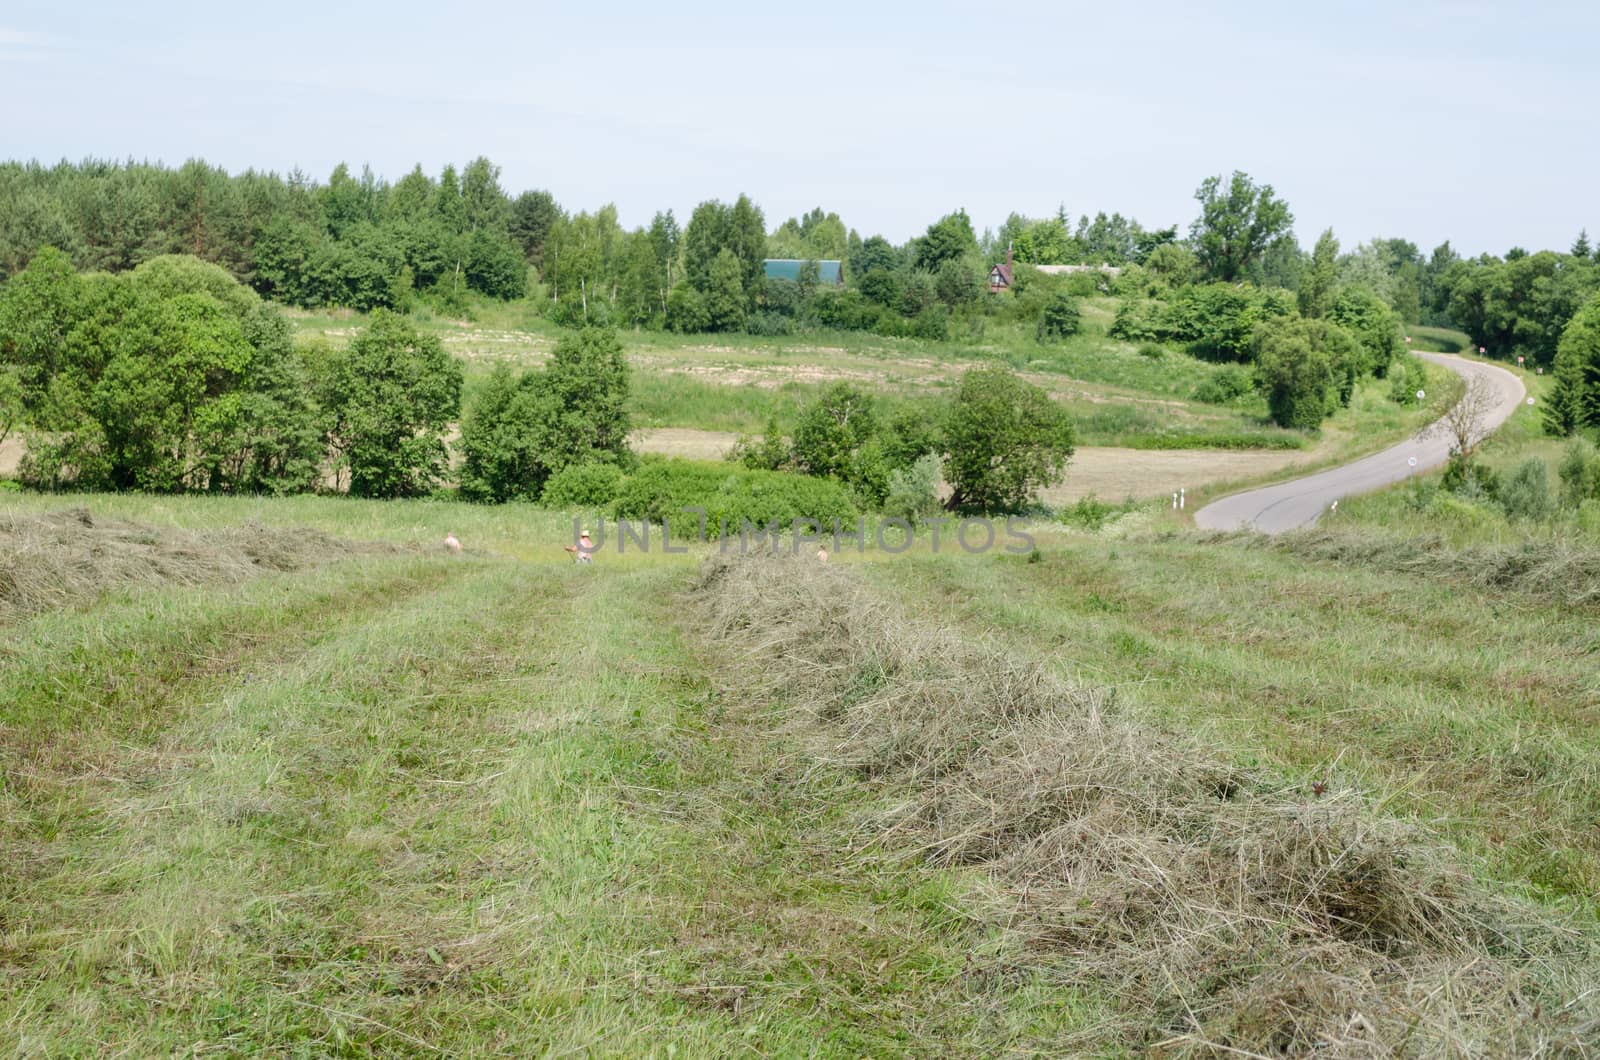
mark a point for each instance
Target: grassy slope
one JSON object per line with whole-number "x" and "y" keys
{"x": 734, "y": 382}
{"x": 465, "y": 805}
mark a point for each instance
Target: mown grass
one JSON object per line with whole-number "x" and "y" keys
{"x": 440, "y": 804}
{"x": 1472, "y": 709}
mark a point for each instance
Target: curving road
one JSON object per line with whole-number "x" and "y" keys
{"x": 1299, "y": 502}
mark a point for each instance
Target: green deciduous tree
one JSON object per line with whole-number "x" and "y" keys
{"x": 1321, "y": 277}
{"x": 525, "y": 429}
{"x": 1005, "y": 439}
{"x": 388, "y": 399}
{"x": 1296, "y": 372}
{"x": 1237, "y": 224}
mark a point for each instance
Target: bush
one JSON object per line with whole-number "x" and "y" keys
{"x": 582, "y": 486}
{"x": 1469, "y": 479}
{"x": 661, "y": 489}
{"x": 573, "y": 411}
{"x": 1296, "y": 373}
{"x": 1526, "y": 494}
{"x": 686, "y": 311}
{"x": 1060, "y": 319}
{"x": 1006, "y": 439}
{"x": 1089, "y": 512}
{"x": 768, "y": 324}
{"x": 1407, "y": 376}
{"x": 1134, "y": 322}
{"x": 914, "y": 491}
{"x": 1227, "y": 383}
{"x": 390, "y": 396}
{"x": 1153, "y": 350}
{"x": 1580, "y": 474}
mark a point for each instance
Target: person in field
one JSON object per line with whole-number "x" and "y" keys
{"x": 583, "y": 551}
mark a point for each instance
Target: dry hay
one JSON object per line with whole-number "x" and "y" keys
{"x": 1227, "y": 913}
{"x": 70, "y": 556}
{"x": 1554, "y": 570}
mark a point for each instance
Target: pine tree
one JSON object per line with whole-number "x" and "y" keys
{"x": 1316, "y": 286}
{"x": 1580, "y": 246}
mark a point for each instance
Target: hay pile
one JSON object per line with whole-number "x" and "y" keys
{"x": 1225, "y": 912}
{"x": 1552, "y": 570}
{"x": 69, "y": 556}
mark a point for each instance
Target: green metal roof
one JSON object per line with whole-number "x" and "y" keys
{"x": 789, "y": 269}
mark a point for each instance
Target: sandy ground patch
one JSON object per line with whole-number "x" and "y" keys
{"x": 1114, "y": 474}
{"x": 11, "y": 451}
{"x": 1109, "y": 473}
{"x": 685, "y": 442}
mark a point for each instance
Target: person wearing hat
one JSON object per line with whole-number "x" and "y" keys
{"x": 583, "y": 551}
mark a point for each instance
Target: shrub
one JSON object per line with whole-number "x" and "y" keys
{"x": 1153, "y": 350}
{"x": 768, "y": 324}
{"x": 1227, "y": 383}
{"x": 1406, "y": 377}
{"x": 1526, "y": 494}
{"x": 686, "y": 311}
{"x": 914, "y": 491}
{"x": 1133, "y": 323}
{"x": 1295, "y": 373}
{"x": 661, "y": 489}
{"x": 1470, "y": 479}
{"x": 1580, "y": 474}
{"x": 582, "y": 486}
{"x": 1060, "y": 319}
{"x": 573, "y": 411}
{"x": 1006, "y": 439}
{"x": 1089, "y": 512}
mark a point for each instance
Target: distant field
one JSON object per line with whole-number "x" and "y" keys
{"x": 735, "y": 383}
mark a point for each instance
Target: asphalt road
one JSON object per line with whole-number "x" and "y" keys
{"x": 1300, "y": 502}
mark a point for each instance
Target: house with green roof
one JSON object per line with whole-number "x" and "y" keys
{"x": 828, "y": 272}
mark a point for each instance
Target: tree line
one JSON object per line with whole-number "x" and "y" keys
{"x": 360, "y": 241}
{"x": 174, "y": 377}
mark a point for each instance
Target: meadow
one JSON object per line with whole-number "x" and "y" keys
{"x": 734, "y": 383}
{"x": 363, "y": 796}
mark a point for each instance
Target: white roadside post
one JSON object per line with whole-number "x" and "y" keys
{"x": 1174, "y": 502}
{"x": 1180, "y": 499}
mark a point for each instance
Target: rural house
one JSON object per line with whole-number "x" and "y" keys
{"x": 1000, "y": 276}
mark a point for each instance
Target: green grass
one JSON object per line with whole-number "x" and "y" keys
{"x": 492, "y": 804}
{"x": 1472, "y": 710}
{"x": 734, "y": 382}
{"x": 1437, "y": 340}
{"x": 464, "y": 805}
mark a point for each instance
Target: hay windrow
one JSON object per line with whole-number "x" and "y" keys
{"x": 1224, "y": 910}
{"x": 1550, "y": 570}
{"x": 70, "y": 556}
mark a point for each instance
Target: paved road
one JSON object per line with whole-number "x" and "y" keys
{"x": 1299, "y": 502}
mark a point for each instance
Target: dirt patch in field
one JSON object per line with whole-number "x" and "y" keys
{"x": 70, "y": 556}
{"x": 11, "y": 451}
{"x": 1114, "y": 474}
{"x": 685, "y": 442}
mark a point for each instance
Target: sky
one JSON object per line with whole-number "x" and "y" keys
{"x": 1473, "y": 122}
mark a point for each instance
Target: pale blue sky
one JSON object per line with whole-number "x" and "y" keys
{"x": 1476, "y": 122}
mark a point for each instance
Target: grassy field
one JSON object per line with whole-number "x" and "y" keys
{"x": 405, "y": 802}
{"x": 733, "y": 383}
